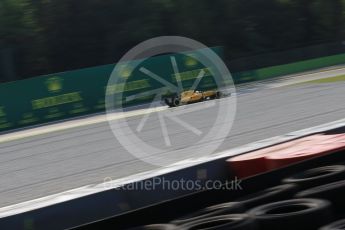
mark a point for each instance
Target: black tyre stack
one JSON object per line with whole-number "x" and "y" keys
{"x": 308, "y": 200}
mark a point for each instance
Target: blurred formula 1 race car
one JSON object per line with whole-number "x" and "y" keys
{"x": 190, "y": 96}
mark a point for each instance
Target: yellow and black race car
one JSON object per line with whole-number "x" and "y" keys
{"x": 190, "y": 96}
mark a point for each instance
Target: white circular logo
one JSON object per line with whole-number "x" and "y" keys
{"x": 156, "y": 133}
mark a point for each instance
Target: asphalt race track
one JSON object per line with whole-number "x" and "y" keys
{"x": 46, "y": 164}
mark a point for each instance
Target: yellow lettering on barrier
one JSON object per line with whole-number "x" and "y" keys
{"x": 3, "y": 120}
{"x": 125, "y": 87}
{"x": 5, "y": 125}
{"x": 192, "y": 74}
{"x": 191, "y": 60}
{"x": 54, "y": 113}
{"x": 100, "y": 104}
{"x": 78, "y": 108}
{"x": 56, "y": 100}
{"x": 2, "y": 112}
{"x": 28, "y": 118}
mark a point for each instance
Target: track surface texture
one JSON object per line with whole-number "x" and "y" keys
{"x": 42, "y": 165}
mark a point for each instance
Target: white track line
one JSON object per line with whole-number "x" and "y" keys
{"x": 293, "y": 79}
{"x": 309, "y": 77}
{"x": 75, "y": 124}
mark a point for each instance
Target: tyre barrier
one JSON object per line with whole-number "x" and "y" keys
{"x": 306, "y": 214}
{"x": 215, "y": 210}
{"x": 333, "y": 192}
{"x": 226, "y": 222}
{"x": 156, "y": 227}
{"x": 242, "y": 204}
{"x": 280, "y": 192}
{"x": 337, "y": 225}
{"x": 317, "y": 176}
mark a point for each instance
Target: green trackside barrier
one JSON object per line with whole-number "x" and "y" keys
{"x": 291, "y": 68}
{"x": 69, "y": 94}
{"x": 75, "y": 93}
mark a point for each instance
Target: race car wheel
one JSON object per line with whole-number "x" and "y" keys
{"x": 215, "y": 210}
{"x": 333, "y": 192}
{"x": 168, "y": 101}
{"x": 280, "y": 192}
{"x": 175, "y": 102}
{"x": 156, "y": 227}
{"x": 317, "y": 176}
{"x": 306, "y": 214}
{"x": 226, "y": 222}
{"x": 338, "y": 225}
